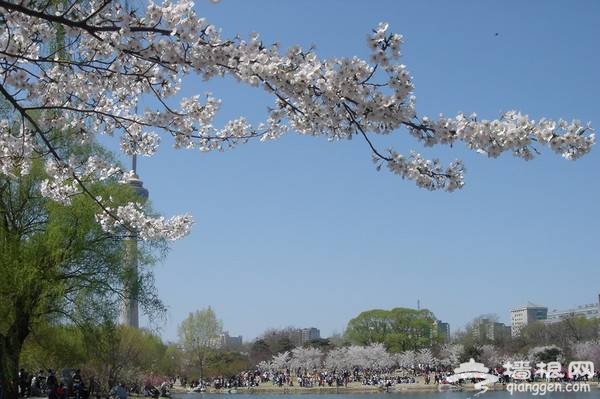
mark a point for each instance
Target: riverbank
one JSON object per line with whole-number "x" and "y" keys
{"x": 352, "y": 388}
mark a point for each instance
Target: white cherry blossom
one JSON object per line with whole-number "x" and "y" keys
{"x": 109, "y": 58}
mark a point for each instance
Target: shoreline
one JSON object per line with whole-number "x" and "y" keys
{"x": 352, "y": 388}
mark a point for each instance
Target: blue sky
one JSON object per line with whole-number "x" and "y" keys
{"x": 305, "y": 232}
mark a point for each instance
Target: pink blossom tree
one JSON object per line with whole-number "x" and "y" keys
{"x": 587, "y": 351}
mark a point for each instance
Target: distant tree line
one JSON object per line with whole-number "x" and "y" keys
{"x": 400, "y": 337}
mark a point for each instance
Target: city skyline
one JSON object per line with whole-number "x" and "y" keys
{"x": 446, "y": 328}
{"x": 300, "y": 231}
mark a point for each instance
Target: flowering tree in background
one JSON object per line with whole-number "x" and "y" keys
{"x": 373, "y": 356}
{"x": 376, "y": 357}
{"x": 108, "y": 58}
{"x": 264, "y": 365}
{"x": 588, "y": 351}
{"x": 449, "y": 354}
{"x": 406, "y": 359}
{"x": 306, "y": 359}
{"x": 424, "y": 358}
{"x": 337, "y": 359}
{"x": 280, "y": 361}
{"x": 490, "y": 356}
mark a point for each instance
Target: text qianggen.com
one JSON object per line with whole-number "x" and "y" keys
{"x": 542, "y": 388}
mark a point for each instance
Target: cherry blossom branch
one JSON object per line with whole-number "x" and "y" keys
{"x": 52, "y": 150}
{"x": 112, "y": 57}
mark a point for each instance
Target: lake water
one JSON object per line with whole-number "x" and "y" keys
{"x": 595, "y": 393}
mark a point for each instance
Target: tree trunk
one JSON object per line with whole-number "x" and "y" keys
{"x": 10, "y": 349}
{"x": 11, "y": 344}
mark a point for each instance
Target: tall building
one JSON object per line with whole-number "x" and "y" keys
{"x": 225, "y": 341}
{"x": 488, "y": 330}
{"x": 441, "y": 329}
{"x": 589, "y": 311}
{"x": 309, "y": 334}
{"x": 526, "y": 314}
{"x": 297, "y": 336}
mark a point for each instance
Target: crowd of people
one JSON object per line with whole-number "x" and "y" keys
{"x": 68, "y": 384}
{"x": 384, "y": 379}
{"x": 305, "y": 379}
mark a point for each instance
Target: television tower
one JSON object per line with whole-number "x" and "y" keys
{"x": 130, "y": 311}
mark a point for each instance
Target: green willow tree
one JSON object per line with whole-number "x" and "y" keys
{"x": 400, "y": 329}
{"x": 117, "y": 353}
{"x": 49, "y": 345}
{"x": 108, "y": 352}
{"x": 198, "y": 335}
{"x": 56, "y": 263}
{"x": 226, "y": 363}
